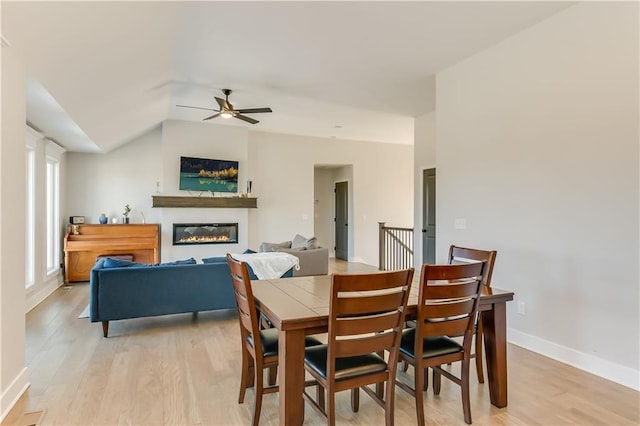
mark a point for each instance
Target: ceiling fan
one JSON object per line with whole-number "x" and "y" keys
{"x": 226, "y": 109}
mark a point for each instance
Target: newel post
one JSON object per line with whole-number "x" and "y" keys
{"x": 381, "y": 246}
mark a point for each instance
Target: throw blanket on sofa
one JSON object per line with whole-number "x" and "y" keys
{"x": 269, "y": 265}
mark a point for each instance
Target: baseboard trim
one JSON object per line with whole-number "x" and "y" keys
{"x": 36, "y": 297}
{"x": 13, "y": 393}
{"x": 592, "y": 364}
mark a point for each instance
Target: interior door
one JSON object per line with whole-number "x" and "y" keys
{"x": 341, "y": 220}
{"x": 429, "y": 216}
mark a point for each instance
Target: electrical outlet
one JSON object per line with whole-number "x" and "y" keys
{"x": 521, "y": 310}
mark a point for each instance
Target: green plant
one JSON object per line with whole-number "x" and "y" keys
{"x": 127, "y": 210}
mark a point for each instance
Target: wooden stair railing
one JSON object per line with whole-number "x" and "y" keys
{"x": 395, "y": 247}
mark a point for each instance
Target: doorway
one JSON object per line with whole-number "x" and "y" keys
{"x": 429, "y": 216}
{"x": 341, "y": 220}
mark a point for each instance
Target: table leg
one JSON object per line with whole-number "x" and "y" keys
{"x": 494, "y": 323}
{"x": 291, "y": 366}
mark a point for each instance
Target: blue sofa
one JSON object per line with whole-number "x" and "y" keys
{"x": 134, "y": 290}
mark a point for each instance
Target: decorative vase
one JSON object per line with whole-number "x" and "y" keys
{"x": 125, "y": 220}
{"x": 103, "y": 218}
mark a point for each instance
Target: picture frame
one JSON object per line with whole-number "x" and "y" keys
{"x": 76, "y": 220}
{"x": 204, "y": 174}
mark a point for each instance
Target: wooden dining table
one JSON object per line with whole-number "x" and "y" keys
{"x": 299, "y": 306}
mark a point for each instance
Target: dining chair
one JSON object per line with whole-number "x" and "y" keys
{"x": 259, "y": 347}
{"x": 459, "y": 255}
{"x": 366, "y": 317}
{"x": 447, "y": 307}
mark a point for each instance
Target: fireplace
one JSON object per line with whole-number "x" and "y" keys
{"x": 205, "y": 233}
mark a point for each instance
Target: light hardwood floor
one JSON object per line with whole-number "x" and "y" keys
{"x": 184, "y": 370}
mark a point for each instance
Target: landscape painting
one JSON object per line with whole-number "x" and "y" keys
{"x": 201, "y": 174}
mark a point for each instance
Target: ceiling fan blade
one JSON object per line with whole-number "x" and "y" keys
{"x": 212, "y": 116}
{"x": 223, "y": 104}
{"x": 253, "y": 110}
{"x": 187, "y": 106}
{"x": 247, "y": 119}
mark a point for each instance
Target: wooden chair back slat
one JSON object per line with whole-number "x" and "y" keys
{"x": 452, "y": 270}
{"x": 244, "y": 313}
{"x": 449, "y": 309}
{"x": 359, "y": 325}
{"x": 450, "y": 327}
{"x": 460, "y": 255}
{"x": 367, "y": 304}
{"x": 369, "y": 282}
{"x": 453, "y": 290}
{"x": 363, "y": 345}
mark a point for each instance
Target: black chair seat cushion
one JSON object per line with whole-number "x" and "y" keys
{"x": 432, "y": 346}
{"x": 269, "y": 339}
{"x": 316, "y": 358}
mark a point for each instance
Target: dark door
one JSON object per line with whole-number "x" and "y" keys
{"x": 429, "y": 216}
{"x": 341, "y": 220}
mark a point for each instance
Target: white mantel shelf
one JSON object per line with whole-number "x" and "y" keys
{"x": 204, "y": 202}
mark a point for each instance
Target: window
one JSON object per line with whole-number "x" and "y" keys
{"x": 53, "y": 215}
{"x": 30, "y": 218}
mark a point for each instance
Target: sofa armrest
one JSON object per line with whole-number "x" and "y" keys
{"x": 312, "y": 262}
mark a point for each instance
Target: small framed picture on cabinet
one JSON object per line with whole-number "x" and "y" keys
{"x": 76, "y": 220}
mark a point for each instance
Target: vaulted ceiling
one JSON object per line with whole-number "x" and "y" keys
{"x": 102, "y": 73}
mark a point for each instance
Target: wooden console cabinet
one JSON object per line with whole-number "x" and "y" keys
{"x": 81, "y": 250}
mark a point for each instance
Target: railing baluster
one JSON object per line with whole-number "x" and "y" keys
{"x": 395, "y": 249}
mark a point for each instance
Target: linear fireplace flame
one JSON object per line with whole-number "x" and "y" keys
{"x": 205, "y": 233}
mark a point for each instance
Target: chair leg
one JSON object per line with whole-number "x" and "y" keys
{"x": 437, "y": 381}
{"x": 418, "y": 385}
{"x": 389, "y": 402}
{"x": 331, "y": 408}
{"x": 250, "y": 372}
{"x": 244, "y": 376}
{"x": 466, "y": 403}
{"x": 479, "y": 370}
{"x": 273, "y": 374}
{"x": 320, "y": 396}
{"x": 355, "y": 399}
{"x": 258, "y": 388}
{"x": 426, "y": 379}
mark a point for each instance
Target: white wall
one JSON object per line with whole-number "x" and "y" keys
{"x": 202, "y": 140}
{"x": 150, "y": 165}
{"x": 282, "y": 170}
{"x": 537, "y": 147}
{"x": 13, "y": 370}
{"x": 104, "y": 183}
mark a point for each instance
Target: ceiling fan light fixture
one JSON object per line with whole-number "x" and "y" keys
{"x": 225, "y": 109}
